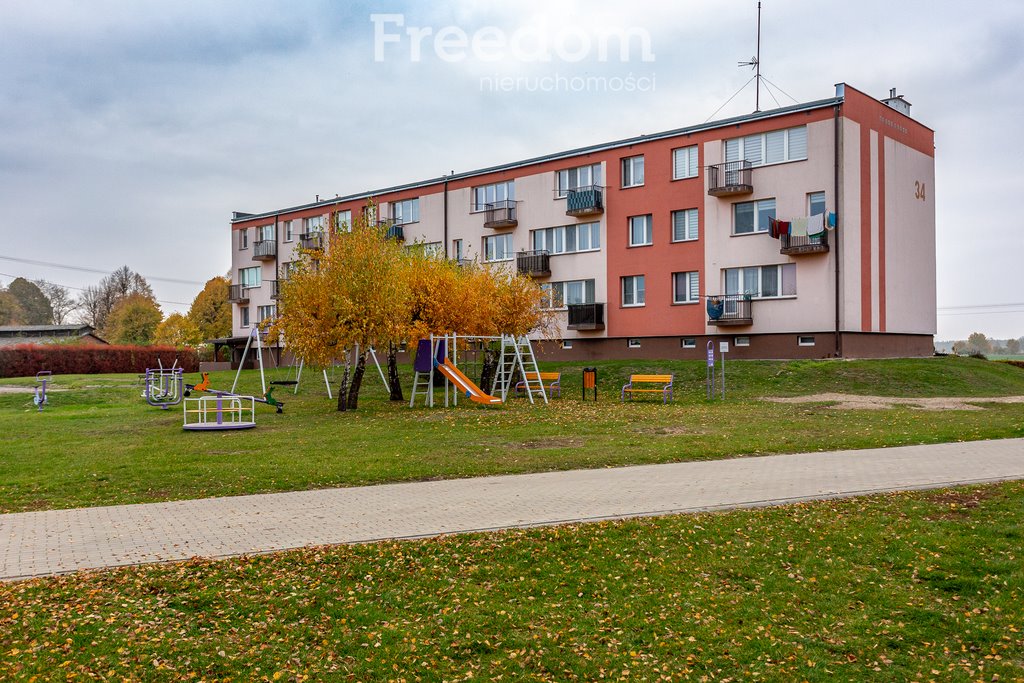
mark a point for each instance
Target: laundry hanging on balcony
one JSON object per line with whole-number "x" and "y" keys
{"x": 804, "y": 226}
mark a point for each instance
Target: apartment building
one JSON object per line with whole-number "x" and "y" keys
{"x": 801, "y": 232}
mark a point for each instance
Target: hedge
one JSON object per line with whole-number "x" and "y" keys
{"x": 25, "y": 360}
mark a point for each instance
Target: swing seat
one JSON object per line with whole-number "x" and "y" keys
{"x": 284, "y": 382}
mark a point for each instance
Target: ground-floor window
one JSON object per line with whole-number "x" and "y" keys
{"x": 633, "y": 343}
{"x": 805, "y": 341}
{"x": 741, "y": 341}
{"x": 687, "y": 343}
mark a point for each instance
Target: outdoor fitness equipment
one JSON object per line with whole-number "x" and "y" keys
{"x": 43, "y": 377}
{"x": 204, "y": 386}
{"x": 217, "y": 413}
{"x": 164, "y": 388}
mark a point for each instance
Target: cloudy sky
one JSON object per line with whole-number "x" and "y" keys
{"x": 130, "y": 130}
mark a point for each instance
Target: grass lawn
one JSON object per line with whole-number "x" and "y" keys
{"x": 99, "y": 443}
{"x": 922, "y": 586}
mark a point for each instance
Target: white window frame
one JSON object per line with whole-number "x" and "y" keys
{"x": 688, "y": 343}
{"x": 690, "y": 227}
{"x": 566, "y": 239}
{"x": 261, "y": 310}
{"x": 458, "y": 249}
{"x": 567, "y": 343}
{"x": 405, "y": 211}
{"x": 491, "y": 254}
{"x": 811, "y": 197}
{"x": 243, "y": 239}
{"x": 754, "y": 148}
{"x": 482, "y": 195}
{"x": 646, "y": 225}
{"x": 573, "y": 179}
{"x": 805, "y": 340}
{"x": 243, "y": 316}
{"x": 633, "y": 343}
{"x": 741, "y": 341}
{"x": 638, "y": 294}
{"x": 754, "y": 289}
{"x": 691, "y": 293}
{"x": 266, "y": 233}
{"x": 247, "y": 282}
{"x": 684, "y": 163}
{"x": 556, "y": 298}
{"x": 758, "y": 205}
{"x": 312, "y": 224}
{"x": 343, "y": 220}
{"x": 289, "y": 231}
{"x": 632, "y": 171}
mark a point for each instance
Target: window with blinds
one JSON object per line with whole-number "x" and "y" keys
{"x": 684, "y": 225}
{"x": 686, "y": 287}
{"x": 762, "y": 282}
{"x": 684, "y": 162}
{"x": 774, "y": 147}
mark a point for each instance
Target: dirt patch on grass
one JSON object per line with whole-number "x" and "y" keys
{"x": 958, "y": 503}
{"x": 856, "y": 402}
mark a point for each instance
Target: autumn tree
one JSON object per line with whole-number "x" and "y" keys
{"x": 10, "y": 310}
{"x": 97, "y": 302}
{"x": 1013, "y": 346}
{"x": 978, "y": 343}
{"x": 133, "y": 320}
{"x": 176, "y": 330}
{"x": 32, "y": 301}
{"x": 210, "y": 314}
{"x": 352, "y": 295}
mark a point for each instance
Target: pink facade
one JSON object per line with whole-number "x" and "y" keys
{"x": 632, "y": 237}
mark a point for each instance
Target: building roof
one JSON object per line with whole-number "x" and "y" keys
{"x": 43, "y": 330}
{"x": 240, "y": 217}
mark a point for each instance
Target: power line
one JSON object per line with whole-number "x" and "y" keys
{"x": 85, "y": 269}
{"x": 82, "y": 289}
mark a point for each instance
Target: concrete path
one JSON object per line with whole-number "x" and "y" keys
{"x": 53, "y": 542}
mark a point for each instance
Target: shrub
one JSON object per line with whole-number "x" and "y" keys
{"x": 25, "y": 360}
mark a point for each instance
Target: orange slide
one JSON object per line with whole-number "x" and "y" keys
{"x": 465, "y": 384}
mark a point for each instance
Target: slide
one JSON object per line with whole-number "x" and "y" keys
{"x": 465, "y": 384}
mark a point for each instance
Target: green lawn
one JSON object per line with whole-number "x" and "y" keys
{"x": 924, "y": 586}
{"x": 99, "y": 443}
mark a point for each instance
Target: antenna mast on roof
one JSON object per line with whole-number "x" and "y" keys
{"x": 755, "y": 62}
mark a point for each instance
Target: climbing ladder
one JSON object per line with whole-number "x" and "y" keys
{"x": 517, "y": 355}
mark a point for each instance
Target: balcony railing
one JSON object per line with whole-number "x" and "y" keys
{"x": 275, "y": 288}
{"x": 534, "y": 263}
{"x": 732, "y": 177}
{"x": 584, "y": 201}
{"x": 264, "y": 250}
{"x": 312, "y": 240}
{"x": 238, "y": 294}
{"x": 810, "y": 244}
{"x": 732, "y": 309}
{"x": 396, "y": 232}
{"x": 500, "y": 214}
{"x": 586, "y": 317}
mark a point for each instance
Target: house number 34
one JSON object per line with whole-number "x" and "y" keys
{"x": 919, "y": 190}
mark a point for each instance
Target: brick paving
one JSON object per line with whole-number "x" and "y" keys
{"x": 60, "y": 541}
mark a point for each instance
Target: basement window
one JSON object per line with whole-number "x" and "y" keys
{"x": 741, "y": 341}
{"x": 634, "y": 343}
{"x": 805, "y": 341}
{"x": 687, "y": 343}
{"x": 567, "y": 343}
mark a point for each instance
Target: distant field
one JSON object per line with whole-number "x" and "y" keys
{"x": 99, "y": 443}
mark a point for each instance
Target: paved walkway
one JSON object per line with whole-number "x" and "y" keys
{"x": 53, "y": 542}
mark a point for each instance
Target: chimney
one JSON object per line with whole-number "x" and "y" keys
{"x": 897, "y": 102}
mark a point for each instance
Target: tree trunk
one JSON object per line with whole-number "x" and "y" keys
{"x": 357, "y": 380}
{"x": 343, "y": 386}
{"x": 490, "y": 367}
{"x": 393, "y": 380}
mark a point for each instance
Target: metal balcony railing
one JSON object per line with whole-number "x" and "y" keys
{"x": 238, "y": 294}
{"x": 275, "y": 288}
{"x": 586, "y": 317}
{"x": 395, "y": 232}
{"x": 584, "y": 201}
{"x": 264, "y": 250}
{"x": 500, "y": 214}
{"x": 534, "y": 263}
{"x": 732, "y": 177}
{"x": 810, "y": 244}
{"x": 731, "y": 309}
{"x": 312, "y": 240}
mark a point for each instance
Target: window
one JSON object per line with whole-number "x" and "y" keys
{"x": 491, "y": 194}
{"x": 243, "y": 238}
{"x": 641, "y": 232}
{"x": 313, "y": 224}
{"x": 264, "y": 313}
{"x": 687, "y": 343}
{"x": 684, "y": 225}
{"x": 457, "y": 250}
{"x": 287, "y": 268}
{"x": 243, "y": 312}
{"x": 815, "y": 203}
{"x": 633, "y": 290}
{"x": 568, "y": 239}
{"x": 428, "y": 248}
{"x": 633, "y": 171}
{"x": 266, "y": 233}
{"x": 249, "y": 277}
{"x": 686, "y": 287}
{"x": 575, "y": 178}
{"x": 684, "y": 162}
{"x": 633, "y": 343}
{"x": 289, "y": 231}
{"x": 774, "y": 147}
{"x": 805, "y": 341}
{"x": 405, "y": 211}
{"x": 762, "y": 282}
{"x": 498, "y": 247}
{"x": 343, "y": 221}
{"x": 562, "y": 294}
{"x": 741, "y": 341}
{"x": 567, "y": 343}
{"x": 751, "y": 217}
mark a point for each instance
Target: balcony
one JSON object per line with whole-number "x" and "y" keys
{"x": 794, "y": 246}
{"x": 732, "y": 309}
{"x": 584, "y": 201}
{"x": 534, "y": 263}
{"x": 586, "y": 317}
{"x": 500, "y": 214}
{"x": 730, "y": 178}
{"x": 395, "y": 232}
{"x": 264, "y": 250}
{"x": 238, "y": 294}
{"x": 275, "y": 288}
{"x": 312, "y": 240}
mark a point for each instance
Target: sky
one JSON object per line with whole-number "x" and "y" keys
{"x": 130, "y": 130}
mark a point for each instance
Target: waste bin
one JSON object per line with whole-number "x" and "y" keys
{"x": 589, "y": 382}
